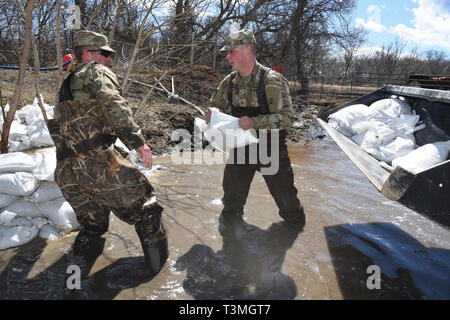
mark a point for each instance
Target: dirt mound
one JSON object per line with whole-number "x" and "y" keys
{"x": 159, "y": 121}
{"x": 196, "y": 84}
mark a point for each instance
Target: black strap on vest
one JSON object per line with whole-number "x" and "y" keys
{"x": 64, "y": 92}
{"x": 254, "y": 111}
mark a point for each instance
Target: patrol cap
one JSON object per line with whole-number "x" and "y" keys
{"x": 235, "y": 39}
{"x": 90, "y": 38}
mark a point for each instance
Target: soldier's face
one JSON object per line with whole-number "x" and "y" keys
{"x": 236, "y": 58}
{"x": 95, "y": 54}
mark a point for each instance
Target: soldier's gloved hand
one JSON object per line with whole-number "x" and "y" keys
{"x": 145, "y": 154}
{"x": 246, "y": 122}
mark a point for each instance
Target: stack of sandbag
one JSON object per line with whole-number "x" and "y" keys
{"x": 31, "y": 203}
{"x": 385, "y": 129}
{"x": 28, "y": 128}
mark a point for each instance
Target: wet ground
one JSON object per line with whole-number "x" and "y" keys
{"x": 352, "y": 235}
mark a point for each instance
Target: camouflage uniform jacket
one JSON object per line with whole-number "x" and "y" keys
{"x": 97, "y": 108}
{"x": 245, "y": 95}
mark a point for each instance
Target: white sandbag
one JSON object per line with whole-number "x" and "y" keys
{"x": 405, "y": 124}
{"x": 47, "y": 191}
{"x": 24, "y": 208}
{"x": 49, "y": 232}
{"x": 16, "y": 118}
{"x": 18, "y": 232}
{"x": 61, "y": 214}
{"x": 45, "y": 164}
{"x": 32, "y": 112}
{"x": 19, "y": 183}
{"x": 6, "y": 199}
{"x": 37, "y": 115}
{"x": 39, "y": 134}
{"x": 381, "y": 131}
{"x": 371, "y": 143}
{"x": 387, "y": 109}
{"x": 423, "y": 158}
{"x": 16, "y": 161}
{"x": 397, "y": 148}
{"x": 19, "y": 144}
{"x": 17, "y": 130}
{"x": 6, "y": 217}
{"x": 344, "y": 119}
{"x": 224, "y": 132}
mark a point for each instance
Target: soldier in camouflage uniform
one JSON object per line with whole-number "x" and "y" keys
{"x": 95, "y": 177}
{"x": 260, "y": 98}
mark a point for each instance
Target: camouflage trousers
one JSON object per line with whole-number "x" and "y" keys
{"x": 101, "y": 181}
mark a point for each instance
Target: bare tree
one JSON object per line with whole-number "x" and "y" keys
{"x": 144, "y": 32}
{"x": 18, "y": 88}
{"x": 36, "y": 65}
{"x": 436, "y": 61}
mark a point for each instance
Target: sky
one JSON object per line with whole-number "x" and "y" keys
{"x": 423, "y": 24}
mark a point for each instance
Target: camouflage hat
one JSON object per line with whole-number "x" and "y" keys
{"x": 90, "y": 38}
{"x": 235, "y": 39}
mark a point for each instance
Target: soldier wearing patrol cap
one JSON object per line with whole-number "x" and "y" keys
{"x": 260, "y": 98}
{"x": 94, "y": 175}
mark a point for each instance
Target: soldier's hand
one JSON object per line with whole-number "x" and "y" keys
{"x": 145, "y": 154}
{"x": 246, "y": 122}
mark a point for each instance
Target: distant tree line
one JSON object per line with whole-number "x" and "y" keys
{"x": 308, "y": 38}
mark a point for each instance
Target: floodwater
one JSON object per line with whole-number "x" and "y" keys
{"x": 356, "y": 244}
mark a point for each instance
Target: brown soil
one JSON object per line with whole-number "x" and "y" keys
{"x": 160, "y": 118}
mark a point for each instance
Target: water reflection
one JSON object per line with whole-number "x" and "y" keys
{"x": 409, "y": 270}
{"x": 248, "y": 266}
{"x": 51, "y": 282}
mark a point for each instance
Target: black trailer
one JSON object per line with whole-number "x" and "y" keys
{"x": 427, "y": 192}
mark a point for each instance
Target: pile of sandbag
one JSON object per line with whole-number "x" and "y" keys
{"x": 31, "y": 203}
{"x": 28, "y": 128}
{"x": 385, "y": 129}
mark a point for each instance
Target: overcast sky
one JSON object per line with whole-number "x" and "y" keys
{"x": 424, "y": 24}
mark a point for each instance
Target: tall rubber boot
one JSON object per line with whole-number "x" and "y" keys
{"x": 88, "y": 242}
{"x": 155, "y": 247}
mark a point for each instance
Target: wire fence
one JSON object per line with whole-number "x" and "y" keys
{"x": 355, "y": 85}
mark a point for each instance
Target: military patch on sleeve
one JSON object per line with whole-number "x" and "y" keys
{"x": 273, "y": 94}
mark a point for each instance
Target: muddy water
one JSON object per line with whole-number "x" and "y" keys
{"x": 349, "y": 228}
